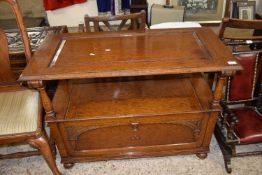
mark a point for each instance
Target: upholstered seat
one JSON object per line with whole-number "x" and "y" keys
{"x": 18, "y": 111}
{"x": 249, "y": 127}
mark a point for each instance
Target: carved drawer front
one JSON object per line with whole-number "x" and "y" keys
{"x": 131, "y": 134}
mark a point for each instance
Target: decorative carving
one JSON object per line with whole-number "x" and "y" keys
{"x": 135, "y": 137}
{"x": 135, "y": 126}
{"x": 196, "y": 128}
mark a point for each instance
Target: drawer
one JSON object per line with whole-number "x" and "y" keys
{"x": 125, "y": 135}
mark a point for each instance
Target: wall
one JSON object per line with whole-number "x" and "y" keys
{"x": 29, "y": 8}
{"x": 259, "y": 6}
{"x": 74, "y": 15}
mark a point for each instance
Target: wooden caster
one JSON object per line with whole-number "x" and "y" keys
{"x": 68, "y": 165}
{"x": 201, "y": 155}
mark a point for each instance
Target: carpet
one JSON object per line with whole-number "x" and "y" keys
{"x": 171, "y": 165}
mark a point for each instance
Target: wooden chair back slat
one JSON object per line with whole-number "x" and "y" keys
{"x": 6, "y": 74}
{"x": 134, "y": 23}
{"x": 21, "y": 26}
{"x": 239, "y": 24}
{"x": 122, "y": 24}
{"x": 137, "y": 22}
{"x": 108, "y": 25}
{"x": 247, "y": 51}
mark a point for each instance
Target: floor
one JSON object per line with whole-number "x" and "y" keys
{"x": 173, "y": 165}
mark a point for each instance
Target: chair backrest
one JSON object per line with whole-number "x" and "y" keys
{"x": 19, "y": 19}
{"x": 241, "y": 86}
{"x": 239, "y": 24}
{"x": 138, "y": 21}
{"x": 6, "y": 74}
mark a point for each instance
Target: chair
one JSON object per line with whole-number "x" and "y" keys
{"x": 240, "y": 122}
{"x": 249, "y": 27}
{"x": 20, "y": 108}
{"x": 138, "y": 21}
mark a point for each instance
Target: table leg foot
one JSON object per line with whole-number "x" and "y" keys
{"x": 68, "y": 165}
{"x": 201, "y": 155}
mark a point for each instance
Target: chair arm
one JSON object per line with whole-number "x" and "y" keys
{"x": 81, "y": 28}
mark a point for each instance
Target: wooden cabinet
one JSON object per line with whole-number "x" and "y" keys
{"x": 131, "y": 94}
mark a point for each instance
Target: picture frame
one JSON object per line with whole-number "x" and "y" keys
{"x": 234, "y": 12}
{"x": 203, "y": 11}
{"x": 246, "y": 10}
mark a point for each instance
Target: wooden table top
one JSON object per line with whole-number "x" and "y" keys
{"x": 129, "y": 53}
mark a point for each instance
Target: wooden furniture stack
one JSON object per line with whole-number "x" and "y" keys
{"x": 131, "y": 94}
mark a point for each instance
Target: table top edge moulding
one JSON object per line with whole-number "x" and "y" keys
{"x": 76, "y": 55}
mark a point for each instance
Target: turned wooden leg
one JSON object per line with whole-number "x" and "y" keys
{"x": 42, "y": 144}
{"x": 227, "y": 160}
{"x": 225, "y": 149}
{"x": 68, "y": 165}
{"x": 201, "y": 155}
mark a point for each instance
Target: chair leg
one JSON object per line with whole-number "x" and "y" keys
{"x": 52, "y": 145}
{"x": 42, "y": 144}
{"x": 225, "y": 149}
{"x": 227, "y": 161}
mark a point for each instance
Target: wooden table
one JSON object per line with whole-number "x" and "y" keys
{"x": 131, "y": 94}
